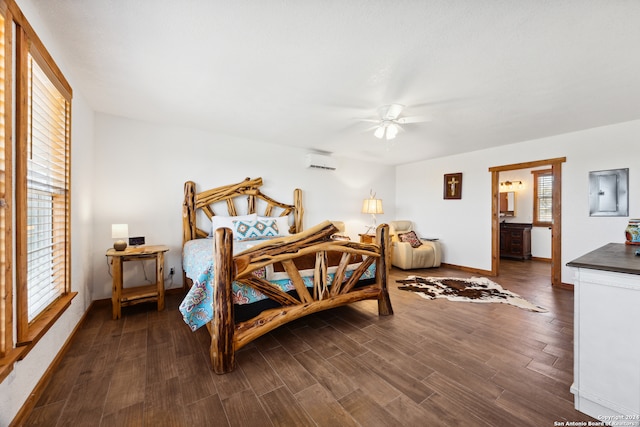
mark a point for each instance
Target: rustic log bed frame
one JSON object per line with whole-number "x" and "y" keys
{"x": 227, "y": 336}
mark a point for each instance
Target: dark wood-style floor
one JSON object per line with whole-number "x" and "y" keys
{"x": 433, "y": 363}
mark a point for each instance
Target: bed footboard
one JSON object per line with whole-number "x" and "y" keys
{"x": 328, "y": 291}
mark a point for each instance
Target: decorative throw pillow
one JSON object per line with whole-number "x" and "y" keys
{"x": 410, "y": 238}
{"x": 282, "y": 221}
{"x": 218, "y": 221}
{"x": 250, "y": 230}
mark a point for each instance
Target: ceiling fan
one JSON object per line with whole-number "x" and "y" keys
{"x": 389, "y": 121}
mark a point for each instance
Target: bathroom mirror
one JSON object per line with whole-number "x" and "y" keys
{"x": 508, "y": 203}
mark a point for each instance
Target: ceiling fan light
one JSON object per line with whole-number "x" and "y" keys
{"x": 379, "y": 133}
{"x": 392, "y": 131}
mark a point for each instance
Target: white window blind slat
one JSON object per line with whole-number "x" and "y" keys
{"x": 47, "y": 191}
{"x": 544, "y": 195}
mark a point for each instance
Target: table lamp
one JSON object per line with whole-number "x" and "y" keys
{"x": 120, "y": 232}
{"x": 372, "y": 206}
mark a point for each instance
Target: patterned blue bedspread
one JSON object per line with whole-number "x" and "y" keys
{"x": 197, "y": 261}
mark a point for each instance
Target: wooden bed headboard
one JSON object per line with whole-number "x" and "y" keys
{"x": 227, "y": 196}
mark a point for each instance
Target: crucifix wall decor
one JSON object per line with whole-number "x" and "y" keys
{"x": 453, "y": 185}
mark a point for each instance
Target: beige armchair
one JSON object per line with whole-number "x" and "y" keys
{"x": 403, "y": 255}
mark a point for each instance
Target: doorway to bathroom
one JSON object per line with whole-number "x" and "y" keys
{"x": 556, "y": 213}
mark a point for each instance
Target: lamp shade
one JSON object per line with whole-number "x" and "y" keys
{"x": 119, "y": 231}
{"x": 372, "y": 206}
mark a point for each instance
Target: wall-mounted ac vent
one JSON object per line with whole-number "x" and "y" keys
{"x": 320, "y": 161}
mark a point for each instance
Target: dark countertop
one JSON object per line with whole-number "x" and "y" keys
{"x": 616, "y": 257}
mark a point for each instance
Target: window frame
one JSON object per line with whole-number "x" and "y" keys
{"x": 537, "y": 175}
{"x": 6, "y": 250}
{"x": 16, "y": 340}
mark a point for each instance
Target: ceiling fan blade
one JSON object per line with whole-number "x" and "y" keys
{"x": 413, "y": 119}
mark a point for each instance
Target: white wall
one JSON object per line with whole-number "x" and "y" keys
{"x": 16, "y": 388}
{"x": 142, "y": 168}
{"x": 464, "y": 226}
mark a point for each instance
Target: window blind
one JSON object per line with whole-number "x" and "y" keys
{"x": 544, "y": 212}
{"x": 47, "y": 191}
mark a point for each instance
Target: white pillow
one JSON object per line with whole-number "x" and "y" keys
{"x": 282, "y": 221}
{"x": 227, "y": 221}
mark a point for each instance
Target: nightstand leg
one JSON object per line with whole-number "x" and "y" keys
{"x": 116, "y": 292}
{"x": 160, "y": 279}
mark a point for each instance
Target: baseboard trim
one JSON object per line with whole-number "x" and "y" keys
{"x": 467, "y": 269}
{"x": 567, "y": 286}
{"x": 535, "y": 258}
{"x": 30, "y": 403}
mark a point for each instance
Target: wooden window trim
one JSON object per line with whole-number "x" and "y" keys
{"x": 536, "y": 174}
{"x": 45, "y": 320}
{"x": 26, "y": 330}
{"x": 20, "y": 34}
{"x": 8, "y": 353}
{"x": 12, "y": 356}
{"x": 61, "y": 82}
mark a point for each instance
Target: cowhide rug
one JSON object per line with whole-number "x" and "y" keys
{"x": 475, "y": 289}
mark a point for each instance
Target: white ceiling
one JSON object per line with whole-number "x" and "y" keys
{"x": 301, "y": 72}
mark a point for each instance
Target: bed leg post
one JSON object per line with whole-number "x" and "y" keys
{"x": 382, "y": 270}
{"x": 222, "y": 352}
